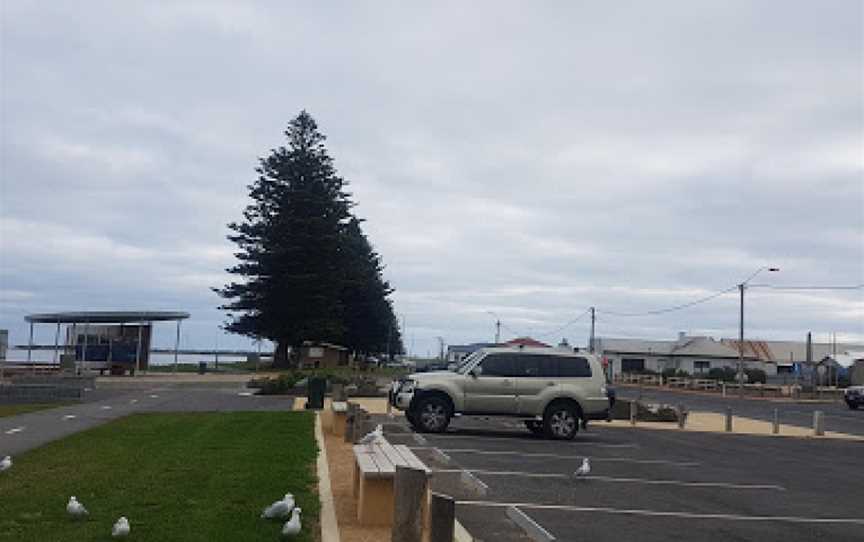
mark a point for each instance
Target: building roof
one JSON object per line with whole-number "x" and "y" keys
{"x": 105, "y": 317}
{"x": 790, "y": 351}
{"x": 468, "y": 348}
{"x": 527, "y": 341}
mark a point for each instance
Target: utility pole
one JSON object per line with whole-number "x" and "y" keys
{"x": 741, "y": 342}
{"x": 498, "y": 332}
{"x": 591, "y": 338}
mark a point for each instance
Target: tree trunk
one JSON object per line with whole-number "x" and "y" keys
{"x": 281, "y": 360}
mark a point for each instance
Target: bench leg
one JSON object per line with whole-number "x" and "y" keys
{"x": 375, "y": 505}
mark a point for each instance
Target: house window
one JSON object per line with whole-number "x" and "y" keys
{"x": 632, "y": 365}
{"x": 701, "y": 367}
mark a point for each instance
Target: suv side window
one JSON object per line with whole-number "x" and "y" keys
{"x": 570, "y": 367}
{"x": 534, "y": 366}
{"x": 498, "y": 365}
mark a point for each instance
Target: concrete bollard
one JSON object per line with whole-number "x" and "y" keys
{"x": 442, "y": 518}
{"x": 723, "y": 386}
{"x": 776, "y": 426}
{"x": 818, "y": 423}
{"x": 728, "y": 419}
{"x": 634, "y": 409}
{"x": 409, "y": 492}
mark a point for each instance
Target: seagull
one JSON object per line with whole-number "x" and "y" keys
{"x": 6, "y": 463}
{"x": 292, "y": 526}
{"x": 373, "y": 436}
{"x": 584, "y": 469}
{"x": 121, "y": 528}
{"x": 75, "y": 508}
{"x": 279, "y": 509}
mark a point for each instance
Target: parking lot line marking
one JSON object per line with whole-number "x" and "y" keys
{"x": 559, "y": 456}
{"x": 649, "y": 481}
{"x": 69, "y": 417}
{"x": 445, "y": 436}
{"x": 722, "y": 485}
{"x": 656, "y": 513}
{"x": 15, "y": 430}
{"x": 477, "y": 486}
{"x": 533, "y": 529}
{"x": 107, "y": 407}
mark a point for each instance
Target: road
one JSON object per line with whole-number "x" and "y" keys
{"x": 27, "y": 431}
{"x": 838, "y": 417}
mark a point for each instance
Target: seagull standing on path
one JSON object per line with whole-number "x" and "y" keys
{"x": 75, "y": 508}
{"x": 374, "y": 435}
{"x": 6, "y": 463}
{"x": 292, "y": 526}
{"x": 584, "y": 469}
{"x": 279, "y": 509}
{"x": 121, "y": 528}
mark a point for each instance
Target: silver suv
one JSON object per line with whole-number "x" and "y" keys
{"x": 551, "y": 390}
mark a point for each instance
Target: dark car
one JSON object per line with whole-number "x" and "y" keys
{"x": 854, "y": 396}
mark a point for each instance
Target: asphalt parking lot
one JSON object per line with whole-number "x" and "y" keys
{"x": 838, "y": 417}
{"x": 645, "y": 484}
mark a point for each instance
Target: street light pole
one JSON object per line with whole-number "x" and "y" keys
{"x": 741, "y": 287}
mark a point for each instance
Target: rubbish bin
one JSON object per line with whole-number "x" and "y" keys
{"x": 202, "y": 367}
{"x": 315, "y": 388}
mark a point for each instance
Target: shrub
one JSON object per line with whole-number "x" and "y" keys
{"x": 675, "y": 373}
{"x": 281, "y": 385}
{"x": 756, "y": 376}
{"x": 726, "y": 374}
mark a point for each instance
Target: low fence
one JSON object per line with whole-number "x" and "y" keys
{"x": 44, "y": 388}
{"x": 708, "y": 384}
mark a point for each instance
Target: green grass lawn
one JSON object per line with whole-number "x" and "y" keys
{"x": 12, "y": 410}
{"x": 184, "y": 477}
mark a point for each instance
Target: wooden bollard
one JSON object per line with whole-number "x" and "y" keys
{"x": 409, "y": 492}
{"x": 682, "y": 416}
{"x": 442, "y": 520}
{"x": 776, "y": 426}
{"x": 349, "y": 421}
{"x": 818, "y": 423}
{"x": 728, "y": 419}
{"x": 634, "y": 409}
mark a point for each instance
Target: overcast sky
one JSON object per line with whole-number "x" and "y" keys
{"x": 529, "y": 160}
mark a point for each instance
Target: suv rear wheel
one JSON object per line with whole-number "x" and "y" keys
{"x": 432, "y": 414}
{"x": 561, "y": 421}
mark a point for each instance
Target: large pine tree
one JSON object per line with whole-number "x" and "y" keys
{"x": 307, "y": 271}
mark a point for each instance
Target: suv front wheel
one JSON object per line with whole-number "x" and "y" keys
{"x": 561, "y": 421}
{"x": 432, "y": 414}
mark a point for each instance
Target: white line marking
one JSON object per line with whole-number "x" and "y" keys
{"x": 440, "y": 456}
{"x": 245, "y": 393}
{"x": 15, "y": 430}
{"x": 154, "y": 396}
{"x": 532, "y": 528}
{"x": 133, "y": 401}
{"x": 69, "y": 416}
{"x": 558, "y": 456}
{"x": 476, "y": 485}
{"x": 447, "y": 436}
{"x": 637, "y": 512}
{"x": 107, "y": 407}
{"x": 419, "y": 439}
{"x": 720, "y": 485}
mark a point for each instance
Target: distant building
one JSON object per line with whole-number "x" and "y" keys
{"x": 697, "y": 355}
{"x": 527, "y": 341}
{"x": 317, "y": 355}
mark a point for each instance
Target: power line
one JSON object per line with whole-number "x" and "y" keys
{"x": 672, "y": 308}
{"x": 564, "y": 326}
{"x": 773, "y": 287}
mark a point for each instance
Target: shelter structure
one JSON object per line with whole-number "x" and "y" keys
{"x": 114, "y": 340}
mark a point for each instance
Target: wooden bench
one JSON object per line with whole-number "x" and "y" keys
{"x": 374, "y": 471}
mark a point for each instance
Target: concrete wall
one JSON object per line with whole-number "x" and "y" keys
{"x": 686, "y": 363}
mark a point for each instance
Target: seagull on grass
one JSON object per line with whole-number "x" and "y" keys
{"x": 292, "y": 526}
{"x": 75, "y": 508}
{"x": 121, "y": 528}
{"x": 374, "y": 435}
{"x": 584, "y": 469}
{"x": 6, "y": 463}
{"x": 279, "y": 509}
